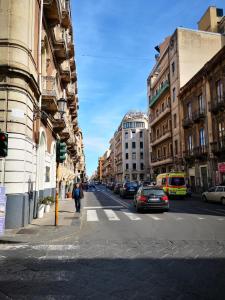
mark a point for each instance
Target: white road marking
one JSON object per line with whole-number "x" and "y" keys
{"x": 111, "y": 215}
{"x": 201, "y": 218}
{"x": 131, "y": 215}
{"x": 212, "y": 211}
{"x": 179, "y": 218}
{"x": 220, "y": 219}
{"x": 55, "y": 247}
{"x": 92, "y": 216}
{"x": 115, "y": 199}
{"x": 155, "y": 218}
{"x": 103, "y": 207}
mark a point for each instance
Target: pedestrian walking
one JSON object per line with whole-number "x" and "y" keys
{"x": 77, "y": 196}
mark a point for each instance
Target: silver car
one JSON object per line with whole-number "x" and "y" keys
{"x": 215, "y": 194}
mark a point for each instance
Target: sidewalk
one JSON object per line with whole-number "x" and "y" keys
{"x": 43, "y": 230}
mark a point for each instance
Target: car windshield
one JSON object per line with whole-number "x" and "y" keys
{"x": 177, "y": 181}
{"x": 156, "y": 192}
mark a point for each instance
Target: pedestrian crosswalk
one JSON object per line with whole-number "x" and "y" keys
{"x": 98, "y": 214}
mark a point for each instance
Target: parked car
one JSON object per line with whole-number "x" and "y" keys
{"x": 215, "y": 194}
{"x": 117, "y": 187}
{"x": 151, "y": 197}
{"x": 128, "y": 189}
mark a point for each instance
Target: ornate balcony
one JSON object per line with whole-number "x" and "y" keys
{"x": 187, "y": 122}
{"x": 66, "y": 14}
{"x": 58, "y": 125}
{"x": 53, "y": 11}
{"x": 199, "y": 115}
{"x": 188, "y": 155}
{"x": 200, "y": 152}
{"x": 161, "y": 160}
{"x": 65, "y": 72}
{"x": 74, "y": 77}
{"x": 217, "y": 105}
{"x": 218, "y": 147}
{"x": 59, "y": 43}
{"x": 49, "y": 94}
{"x": 64, "y": 135}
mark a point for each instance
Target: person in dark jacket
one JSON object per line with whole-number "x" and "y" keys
{"x": 77, "y": 195}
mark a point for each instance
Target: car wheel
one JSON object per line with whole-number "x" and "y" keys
{"x": 204, "y": 199}
{"x": 223, "y": 201}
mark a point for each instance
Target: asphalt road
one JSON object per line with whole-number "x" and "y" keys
{"x": 119, "y": 254}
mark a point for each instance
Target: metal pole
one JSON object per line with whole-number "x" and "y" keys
{"x": 57, "y": 195}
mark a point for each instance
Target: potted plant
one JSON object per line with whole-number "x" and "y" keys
{"x": 41, "y": 209}
{"x": 48, "y": 201}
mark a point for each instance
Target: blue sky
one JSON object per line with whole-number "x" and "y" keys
{"x": 114, "y": 48}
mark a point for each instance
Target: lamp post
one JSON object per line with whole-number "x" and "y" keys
{"x": 61, "y": 109}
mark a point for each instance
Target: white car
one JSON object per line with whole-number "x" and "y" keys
{"x": 215, "y": 194}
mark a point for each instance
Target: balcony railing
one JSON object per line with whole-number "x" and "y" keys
{"x": 53, "y": 11}
{"x": 161, "y": 91}
{"x": 65, "y": 71}
{"x": 49, "y": 94}
{"x": 200, "y": 151}
{"x": 218, "y": 104}
{"x": 218, "y": 147}
{"x": 199, "y": 115}
{"x": 187, "y": 121}
{"x": 161, "y": 137}
{"x": 60, "y": 42}
{"x": 155, "y": 118}
{"x": 161, "y": 158}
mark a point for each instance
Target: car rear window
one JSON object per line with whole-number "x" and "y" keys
{"x": 177, "y": 181}
{"x": 131, "y": 184}
{"x": 157, "y": 192}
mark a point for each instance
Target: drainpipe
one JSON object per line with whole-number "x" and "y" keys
{"x": 38, "y": 121}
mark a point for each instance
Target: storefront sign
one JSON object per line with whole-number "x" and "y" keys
{"x": 2, "y": 209}
{"x": 221, "y": 168}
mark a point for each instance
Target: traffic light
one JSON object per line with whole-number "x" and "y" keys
{"x": 61, "y": 151}
{"x": 3, "y": 144}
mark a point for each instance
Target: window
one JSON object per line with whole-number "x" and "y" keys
{"x": 174, "y": 94}
{"x": 126, "y": 145}
{"x": 173, "y": 67}
{"x": 142, "y": 166}
{"x": 127, "y": 166}
{"x": 47, "y": 174}
{"x": 163, "y": 181}
{"x": 189, "y": 110}
{"x": 190, "y": 143}
{"x": 133, "y": 155}
{"x": 175, "y": 120}
{"x": 141, "y": 155}
{"x": 141, "y": 134}
{"x": 126, "y": 135}
{"x": 162, "y": 106}
{"x": 201, "y": 104}
{"x": 133, "y": 145}
{"x": 134, "y": 166}
{"x": 158, "y": 153}
{"x": 133, "y": 134}
{"x": 127, "y": 156}
{"x": 220, "y": 189}
{"x": 176, "y": 147}
{"x": 219, "y": 90}
{"x": 141, "y": 145}
{"x": 202, "y": 137}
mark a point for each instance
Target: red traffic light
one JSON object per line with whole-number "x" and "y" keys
{"x": 2, "y": 136}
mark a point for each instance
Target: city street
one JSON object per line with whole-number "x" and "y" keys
{"x": 119, "y": 254}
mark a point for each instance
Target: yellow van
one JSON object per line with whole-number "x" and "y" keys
{"x": 173, "y": 184}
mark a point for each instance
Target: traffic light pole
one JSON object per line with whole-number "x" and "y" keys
{"x": 57, "y": 195}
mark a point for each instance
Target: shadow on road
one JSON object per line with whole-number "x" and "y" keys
{"x": 113, "y": 279}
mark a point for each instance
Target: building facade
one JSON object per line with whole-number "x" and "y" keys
{"x": 203, "y": 101}
{"x": 37, "y": 75}
{"x": 180, "y": 57}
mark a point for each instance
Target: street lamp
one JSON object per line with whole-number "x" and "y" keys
{"x": 62, "y": 106}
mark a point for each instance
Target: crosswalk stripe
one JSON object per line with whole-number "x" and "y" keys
{"x": 92, "y": 215}
{"x": 131, "y": 215}
{"x": 155, "y": 218}
{"x": 201, "y": 218}
{"x": 111, "y": 215}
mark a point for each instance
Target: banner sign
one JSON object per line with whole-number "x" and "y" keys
{"x": 2, "y": 209}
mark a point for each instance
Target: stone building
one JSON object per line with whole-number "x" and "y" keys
{"x": 181, "y": 56}
{"x": 39, "y": 102}
{"x": 203, "y": 103}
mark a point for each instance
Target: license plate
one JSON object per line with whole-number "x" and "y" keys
{"x": 131, "y": 190}
{"x": 153, "y": 200}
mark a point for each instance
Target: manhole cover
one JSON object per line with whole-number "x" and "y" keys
{"x": 27, "y": 231}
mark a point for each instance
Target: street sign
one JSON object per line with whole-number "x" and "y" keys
{"x": 2, "y": 209}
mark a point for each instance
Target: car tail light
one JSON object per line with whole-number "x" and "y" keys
{"x": 164, "y": 198}
{"x": 143, "y": 198}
